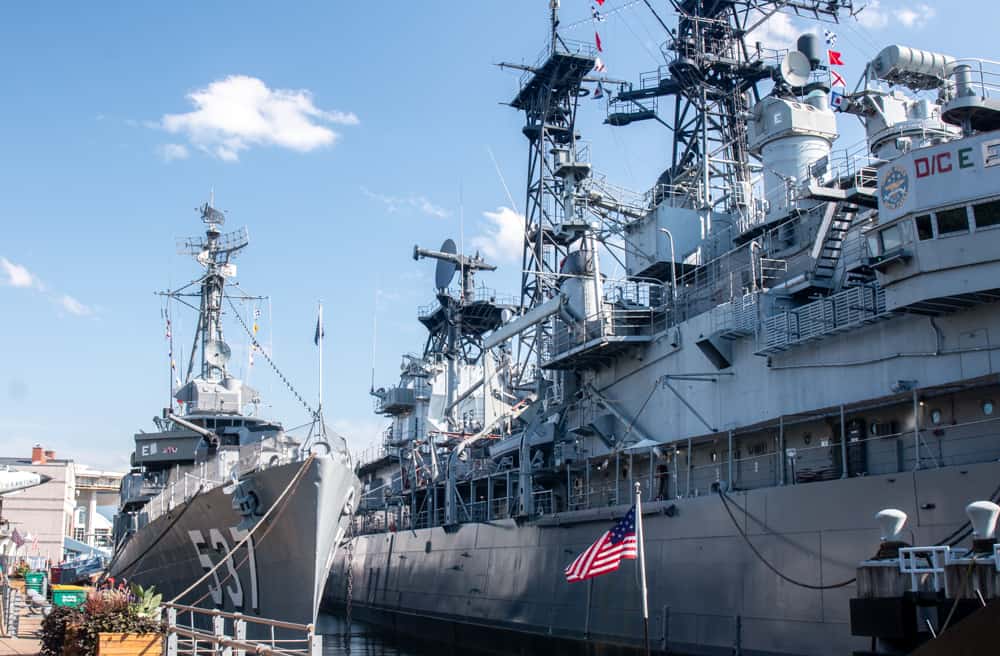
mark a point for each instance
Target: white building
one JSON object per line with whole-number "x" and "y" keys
{"x": 48, "y": 513}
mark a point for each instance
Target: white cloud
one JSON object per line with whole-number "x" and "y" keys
{"x": 915, "y": 16}
{"x": 235, "y": 113}
{"x": 873, "y": 15}
{"x": 420, "y": 203}
{"x": 503, "y": 238}
{"x": 18, "y": 275}
{"x": 777, "y": 33}
{"x": 171, "y": 151}
{"x": 74, "y": 306}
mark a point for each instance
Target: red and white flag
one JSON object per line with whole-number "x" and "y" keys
{"x": 607, "y": 553}
{"x": 599, "y": 65}
{"x": 836, "y": 79}
{"x": 600, "y": 2}
{"x": 834, "y": 58}
{"x": 597, "y": 39}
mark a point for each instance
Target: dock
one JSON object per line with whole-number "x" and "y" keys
{"x": 25, "y": 641}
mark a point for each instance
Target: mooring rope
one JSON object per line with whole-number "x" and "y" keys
{"x": 278, "y": 503}
{"x": 784, "y": 577}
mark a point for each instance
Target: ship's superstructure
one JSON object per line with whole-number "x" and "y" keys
{"x": 803, "y": 336}
{"x": 214, "y": 469}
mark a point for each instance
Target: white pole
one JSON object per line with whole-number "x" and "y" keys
{"x": 319, "y": 410}
{"x": 641, "y": 539}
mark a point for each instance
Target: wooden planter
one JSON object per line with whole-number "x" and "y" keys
{"x": 129, "y": 644}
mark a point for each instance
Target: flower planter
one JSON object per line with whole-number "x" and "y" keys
{"x": 129, "y": 644}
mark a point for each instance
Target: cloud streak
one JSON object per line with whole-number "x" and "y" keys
{"x": 238, "y": 112}
{"x": 421, "y": 204}
{"x": 18, "y": 276}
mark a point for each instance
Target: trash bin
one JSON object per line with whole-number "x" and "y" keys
{"x": 70, "y": 596}
{"x": 35, "y": 581}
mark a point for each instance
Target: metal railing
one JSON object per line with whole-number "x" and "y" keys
{"x": 836, "y": 313}
{"x": 981, "y": 77}
{"x": 925, "y": 565}
{"x": 228, "y": 634}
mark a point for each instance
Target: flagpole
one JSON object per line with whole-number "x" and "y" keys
{"x": 319, "y": 409}
{"x": 640, "y": 534}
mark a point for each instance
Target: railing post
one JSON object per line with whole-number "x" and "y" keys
{"x": 916, "y": 429}
{"x": 240, "y": 632}
{"x": 315, "y": 643}
{"x": 731, "y": 464}
{"x": 171, "y": 631}
{"x": 219, "y": 631}
{"x": 689, "y": 468}
{"x": 781, "y": 450}
{"x": 843, "y": 444}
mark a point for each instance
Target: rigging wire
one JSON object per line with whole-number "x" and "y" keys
{"x": 267, "y": 357}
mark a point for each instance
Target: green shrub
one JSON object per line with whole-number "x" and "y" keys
{"x": 105, "y": 611}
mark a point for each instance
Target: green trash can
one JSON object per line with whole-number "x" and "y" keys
{"x": 70, "y": 596}
{"x": 35, "y": 581}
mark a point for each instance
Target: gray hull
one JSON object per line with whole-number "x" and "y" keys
{"x": 281, "y": 577}
{"x": 708, "y": 593}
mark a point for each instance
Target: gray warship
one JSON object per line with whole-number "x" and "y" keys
{"x": 804, "y": 336}
{"x": 215, "y": 471}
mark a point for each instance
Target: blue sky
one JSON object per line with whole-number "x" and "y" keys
{"x": 379, "y": 119}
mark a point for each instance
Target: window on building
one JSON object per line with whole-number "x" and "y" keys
{"x": 987, "y": 214}
{"x": 924, "y": 228}
{"x": 952, "y": 221}
{"x": 891, "y": 239}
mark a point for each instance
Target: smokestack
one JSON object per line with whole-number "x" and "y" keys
{"x": 37, "y": 455}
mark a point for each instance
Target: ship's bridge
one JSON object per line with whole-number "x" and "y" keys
{"x": 937, "y": 244}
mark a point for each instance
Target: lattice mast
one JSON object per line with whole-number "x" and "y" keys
{"x": 214, "y": 252}
{"x": 713, "y": 77}
{"x": 549, "y": 95}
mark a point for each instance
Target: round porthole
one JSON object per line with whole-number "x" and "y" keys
{"x": 987, "y": 408}
{"x": 935, "y": 416}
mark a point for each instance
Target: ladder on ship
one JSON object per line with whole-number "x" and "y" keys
{"x": 826, "y": 250}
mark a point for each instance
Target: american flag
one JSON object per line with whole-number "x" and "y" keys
{"x": 606, "y": 554}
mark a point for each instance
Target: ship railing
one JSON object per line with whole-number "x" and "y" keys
{"x": 502, "y": 508}
{"x": 979, "y": 77}
{"x": 836, "y": 313}
{"x": 562, "y": 47}
{"x": 544, "y": 502}
{"x": 474, "y": 512}
{"x": 228, "y": 635}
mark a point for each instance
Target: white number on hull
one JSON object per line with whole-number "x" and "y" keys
{"x": 234, "y": 588}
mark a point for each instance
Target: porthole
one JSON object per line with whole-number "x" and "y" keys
{"x": 935, "y": 416}
{"x": 987, "y": 408}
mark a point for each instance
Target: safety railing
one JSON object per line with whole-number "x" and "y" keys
{"x": 850, "y": 308}
{"x": 191, "y": 630}
{"x": 926, "y": 567}
{"x": 980, "y": 77}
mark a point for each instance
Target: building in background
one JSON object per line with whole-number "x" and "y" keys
{"x": 50, "y": 517}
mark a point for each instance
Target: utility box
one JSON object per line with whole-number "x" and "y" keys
{"x": 647, "y": 247}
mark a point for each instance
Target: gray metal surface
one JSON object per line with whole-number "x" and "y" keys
{"x": 292, "y": 552}
{"x": 700, "y": 568}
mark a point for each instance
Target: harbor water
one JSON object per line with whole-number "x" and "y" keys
{"x": 368, "y": 640}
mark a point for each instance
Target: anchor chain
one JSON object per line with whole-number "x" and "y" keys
{"x": 350, "y": 582}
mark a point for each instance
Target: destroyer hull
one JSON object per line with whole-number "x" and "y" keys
{"x": 278, "y": 574}
{"x": 708, "y": 592}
